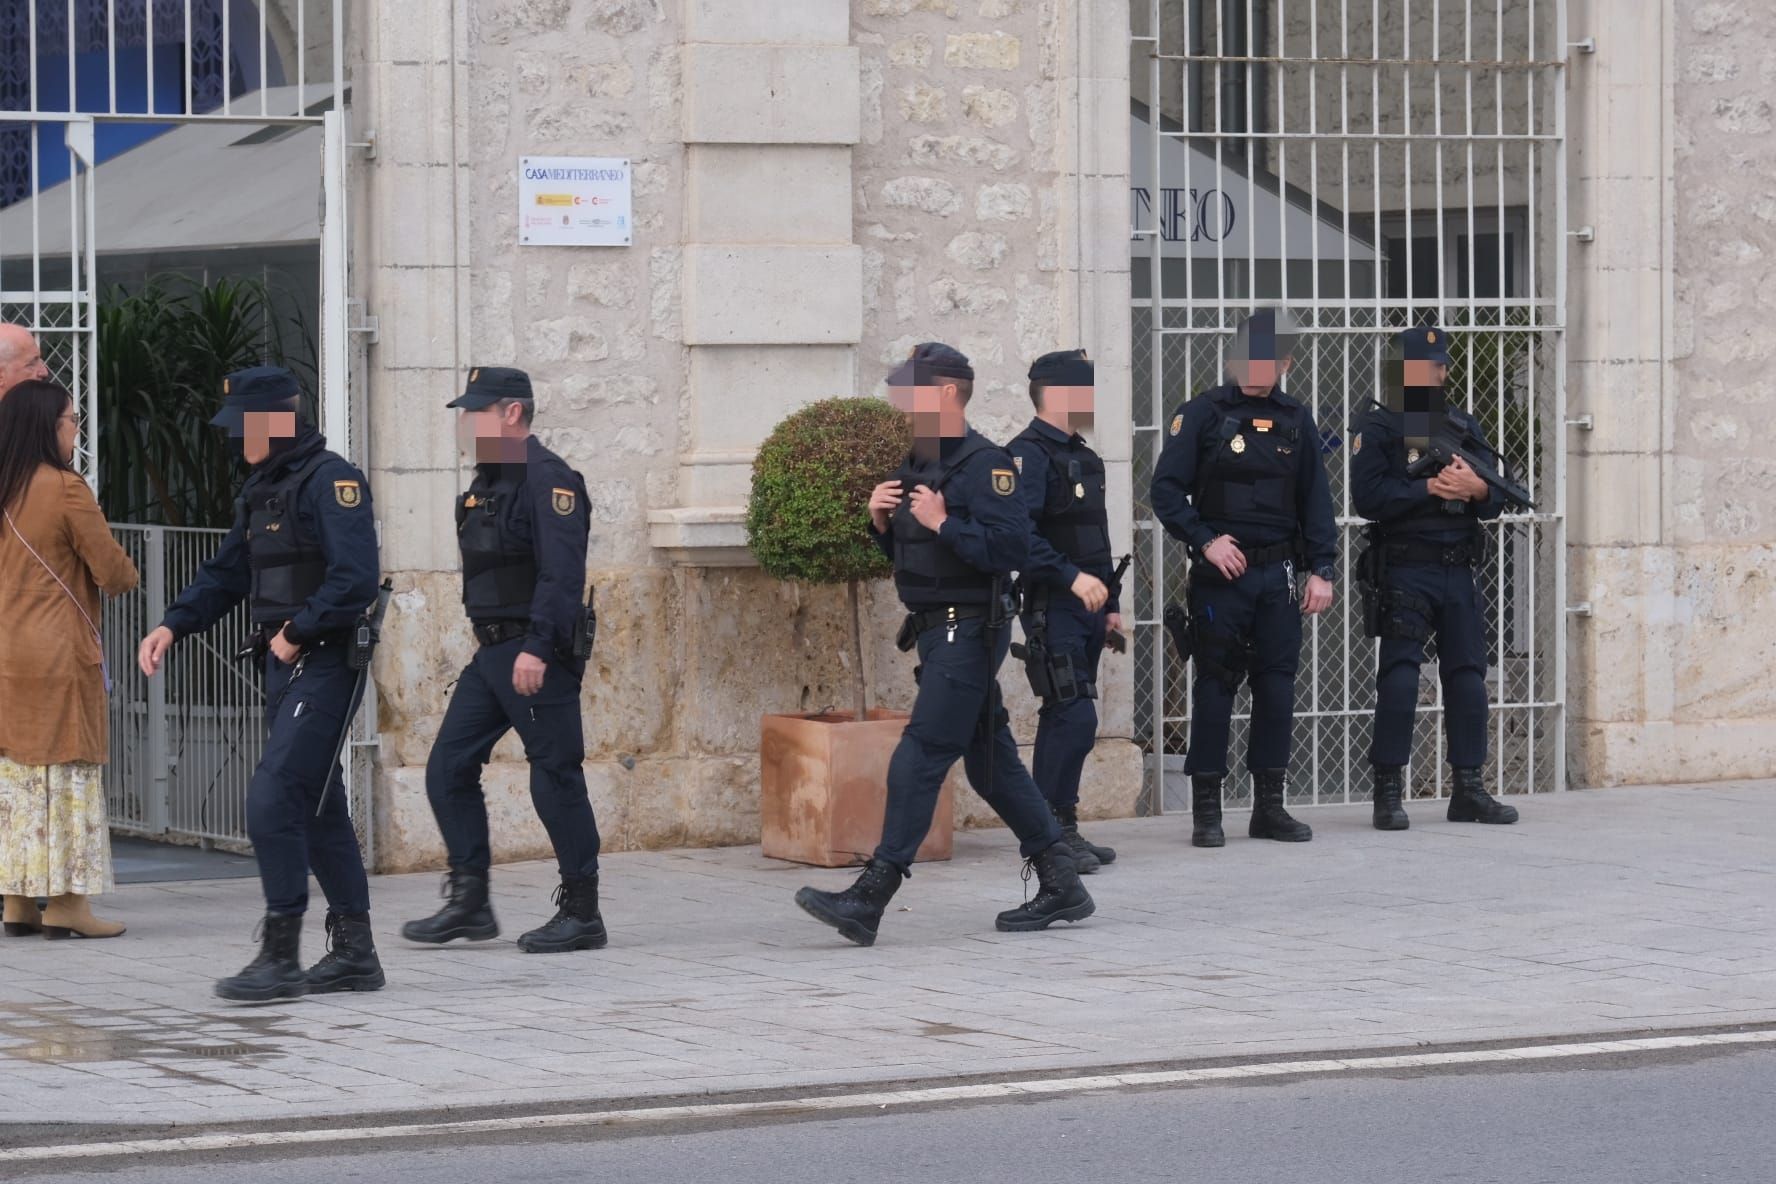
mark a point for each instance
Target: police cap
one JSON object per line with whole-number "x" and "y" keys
{"x": 260, "y": 388}
{"x": 1424, "y": 343}
{"x": 1065, "y": 367}
{"x": 493, "y": 384}
{"x": 930, "y": 363}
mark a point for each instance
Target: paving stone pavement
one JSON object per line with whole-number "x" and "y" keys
{"x": 1602, "y": 911}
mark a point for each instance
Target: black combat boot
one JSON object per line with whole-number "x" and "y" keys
{"x": 275, "y": 973}
{"x": 1469, "y": 802}
{"x": 1269, "y": 819}
{"x": 1390, "y": 784}
{"x": 576, "y": 924}
{"x": 351, "y": 963}
{"x": 857, "y": 911}
{"x": 1059, "y": 894}
{"x": 1088, "y": 856}
{"x": 1205, "y": 813}
{"x": 466, "y": 913}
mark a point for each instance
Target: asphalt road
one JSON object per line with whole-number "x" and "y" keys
{"x": 1658, "y": 1119}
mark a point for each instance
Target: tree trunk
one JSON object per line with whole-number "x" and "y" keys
{"x": 859, "y": 684}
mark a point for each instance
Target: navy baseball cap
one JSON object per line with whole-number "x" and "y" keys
{"x": 930, "y": 362}
{"x": 1424, "y": 343}
{"x": 493, "y": 384}
{"x": 1065, "y": 367}
{"x": 260, "y": 388}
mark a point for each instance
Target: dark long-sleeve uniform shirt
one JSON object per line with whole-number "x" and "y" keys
{"x": 1193, "y": 433}
{"x": 986, "y": 528}
{"x": 1382, "y": 492}
{"x": 549, "y": 511}
{"x": 347, "y": 535}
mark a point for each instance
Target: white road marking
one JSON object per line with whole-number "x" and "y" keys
{"x": 881, "y": 1100}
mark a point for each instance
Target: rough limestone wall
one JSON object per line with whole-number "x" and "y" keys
{"x": 959, "y": 210}
{"x": 687, "y": 659}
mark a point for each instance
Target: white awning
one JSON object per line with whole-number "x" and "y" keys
{"x": 203, "y": 186}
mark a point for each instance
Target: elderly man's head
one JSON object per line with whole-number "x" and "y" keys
{"x": 20, "y": 359}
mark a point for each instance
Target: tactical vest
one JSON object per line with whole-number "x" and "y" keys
{"x": 927, "y": 573}
{"x": 499, "y": 567}
{"x": 1428, "y": 519}
{"x": 288, "y": 563}
{"x": 1075, "y": 512}
{"x": 1250, "y": 466}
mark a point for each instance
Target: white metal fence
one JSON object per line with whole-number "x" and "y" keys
{"x": 1368, "y": 164}
{"x": 184, "y": 744}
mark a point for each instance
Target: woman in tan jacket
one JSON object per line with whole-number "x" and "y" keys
{"x": 56, "y": 557}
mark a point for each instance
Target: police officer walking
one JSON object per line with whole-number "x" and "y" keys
{"x": 1240, "y": 480}
{"x": 1069, "y": 605}
{"x": 303, "y": 553}
{"x": 1423, "y": 545}
{"x": 522, "y": 528}
{"x": 955, "y": 528}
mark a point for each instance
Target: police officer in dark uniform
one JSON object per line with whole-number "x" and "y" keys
{"x": 1241, "y": 481}
{"x": 522, "y": 528}
{"x": 1069, "y": 606}
{"x": 955, "y": 528}
{"x": 1423, "y": 546}
{"x": 303, "y": 553}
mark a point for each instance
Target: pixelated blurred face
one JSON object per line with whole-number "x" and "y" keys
{"x": 490, "y": 434}
{"x": 935, "y": 412}
{"x": 260, "y": 429}
{"x": 1077, "y": 403}
{"x": 1258, "y": 376}
{"x": 1420, "y": 372}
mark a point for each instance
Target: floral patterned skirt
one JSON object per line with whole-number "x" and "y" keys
{"x": 53, "y": 835}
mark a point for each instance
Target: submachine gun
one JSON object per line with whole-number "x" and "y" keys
{"x": 1445, "y": 439}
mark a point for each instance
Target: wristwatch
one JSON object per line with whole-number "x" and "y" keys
{"x": 1327, "y": 572}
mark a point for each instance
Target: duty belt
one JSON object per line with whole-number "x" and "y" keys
{"x": 931, "y": 618}
{"x": 1287, "y": 551}
{"x": 1462, "y": 554}
{"x": 497, "y": 632}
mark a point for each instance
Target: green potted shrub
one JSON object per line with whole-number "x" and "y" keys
{"x": 823, "y": 775}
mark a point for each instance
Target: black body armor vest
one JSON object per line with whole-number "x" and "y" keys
{"x": 288, "y": 563}
{"x": 498, "y": 558}
{"x": 1250, "y": 467}
{"x": 1075, "y": 511}
{"x": 927, "y": 573}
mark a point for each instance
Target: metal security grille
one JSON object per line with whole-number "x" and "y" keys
{"x": 82, "y": 82}
{"x": 1368, "y": 164}
{"x": 183, "y": 745}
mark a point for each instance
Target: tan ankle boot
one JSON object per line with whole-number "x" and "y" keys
{"x": 22, "y": 917}
{"x": 70, "y": 915}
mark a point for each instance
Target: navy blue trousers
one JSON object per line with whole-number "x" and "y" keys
{"x": 482, "y": 710}
{"x": 306, "y": 704}
{"x": 946, "y": 725}
{"x": 1066, "y": 732}
{"x": 1259, "y": 607}
{"x": 1460, "y": 631}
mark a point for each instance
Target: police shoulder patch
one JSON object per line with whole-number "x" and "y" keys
{"x": 1177, "y": 424}
{"x": 1356, "y": 443}
{"x": 1004, "y": 482}
{"x": 349, "y": 494}
{"x": 563, "y": 501}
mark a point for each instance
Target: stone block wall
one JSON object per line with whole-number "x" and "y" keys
{"x": 817, "y": 185}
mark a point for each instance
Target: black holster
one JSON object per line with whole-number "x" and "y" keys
{"x": 585, "y": 631}
{"x": 1371, "y": 578}
{"x": 1054, "y": 678}
{"x": 1177, "y": 627}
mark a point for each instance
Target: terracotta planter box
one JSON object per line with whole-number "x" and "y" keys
{"x": 823, "y": 782}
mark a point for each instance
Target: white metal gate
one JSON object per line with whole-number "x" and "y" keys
{"x": 1367, "y": 164}
{"x": 107, "y": 76}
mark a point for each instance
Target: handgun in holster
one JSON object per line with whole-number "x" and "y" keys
{"x": 585, "y": 630}
{"x": 1054, "y": 678}
{"x": 1371, "y": 573}
{"x": 1177, "y": 627}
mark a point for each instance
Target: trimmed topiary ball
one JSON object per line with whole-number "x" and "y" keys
{"x": 808, "y": 517}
